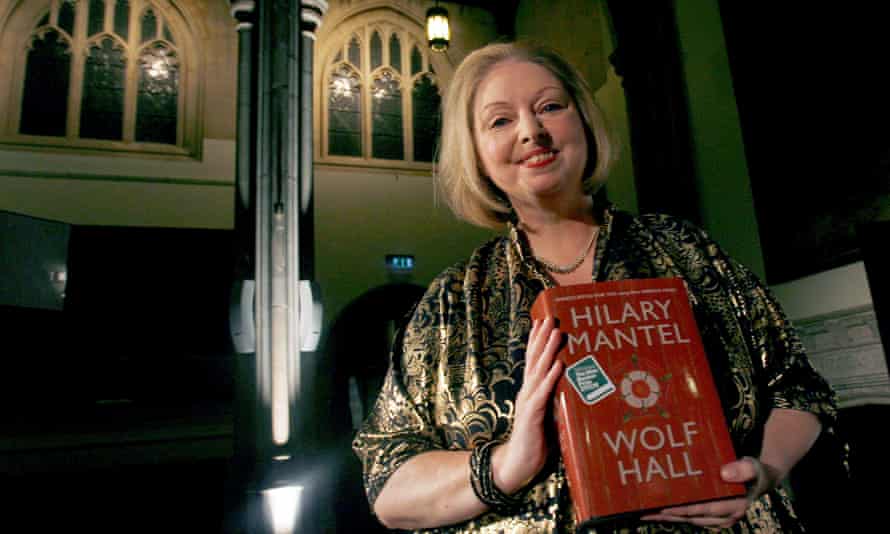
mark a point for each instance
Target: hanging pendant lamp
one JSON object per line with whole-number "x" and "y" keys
{"x": 438, "y": 32}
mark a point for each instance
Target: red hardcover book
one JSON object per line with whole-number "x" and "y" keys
{"x": 640, "y": 423}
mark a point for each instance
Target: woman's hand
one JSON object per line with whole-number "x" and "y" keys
{"x": 787, "y": 436}
{"x": 724, "y": 513}
{"x": 432, "y": 489}
{"x": 516, "y": 462}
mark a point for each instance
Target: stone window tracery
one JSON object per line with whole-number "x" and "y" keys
{"x": 373, "y": 109}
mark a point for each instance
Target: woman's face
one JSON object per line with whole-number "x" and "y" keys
{"x": 529, "y": 135}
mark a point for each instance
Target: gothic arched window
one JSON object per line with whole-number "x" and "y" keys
{"x": 374, "y": 108}
{"x": 105, "y": 70}
{"x": 45, "y": 98}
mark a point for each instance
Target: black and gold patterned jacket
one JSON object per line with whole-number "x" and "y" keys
{"x": 452, "y": 381}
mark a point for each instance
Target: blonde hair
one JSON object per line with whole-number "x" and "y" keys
{"x": 473, "y": 196}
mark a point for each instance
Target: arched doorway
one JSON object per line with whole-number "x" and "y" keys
{"x": 357, "y": 347}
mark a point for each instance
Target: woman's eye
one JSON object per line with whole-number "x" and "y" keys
{"x": 551, "y": 106}
{"x": 500, "y": 121}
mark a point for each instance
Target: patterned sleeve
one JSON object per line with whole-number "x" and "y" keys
{"x": 400, "y": 424}
{"x": 790, "y": 378}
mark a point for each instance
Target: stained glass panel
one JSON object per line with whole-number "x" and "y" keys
{"x": 386, "y": 117}
{"x": 355, "y": 52}
{"x": 44, "y": 21}
{"x": 149, "y": 26}
{"x": 426, "y": 103}
{"x": 122, "y": 18}
{"x": 167, "y": 34}
{"x": 47, "y": 75}
{"x": 395, "y": 53}
{"x": 157, "y": 101}
{"x": 416, "y": 61}
{"x": 102, "y": 108}
{"x": 96, "y": 19}
{"x": 344, "y": 112}
{"x": 66, "y": 16}
{"x": 376, "y": 51}
{"x": 395, "y": 125}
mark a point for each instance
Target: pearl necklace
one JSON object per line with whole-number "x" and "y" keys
{"x": 560, "y": 269}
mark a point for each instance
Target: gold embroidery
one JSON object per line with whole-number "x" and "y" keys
{"x": 452, "y": 383}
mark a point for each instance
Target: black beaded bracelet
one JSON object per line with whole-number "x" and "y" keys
{"x": 482, "y": 479}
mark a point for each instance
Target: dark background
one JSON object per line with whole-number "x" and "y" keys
{"x": 157, "y": 383}
{"x": 813, "y": 101}
{"x": 814, "y": 109}
{"x": 813, "y": 104}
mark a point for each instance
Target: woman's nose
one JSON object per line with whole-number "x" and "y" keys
{"x": 532, "y": 129}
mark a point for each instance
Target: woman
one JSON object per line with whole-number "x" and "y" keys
{"x": 460, "y": 439}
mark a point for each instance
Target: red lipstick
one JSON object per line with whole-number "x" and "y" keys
{"x": 550, "y": 155}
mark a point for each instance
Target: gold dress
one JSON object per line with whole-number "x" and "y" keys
{"x": 458, "y": 367}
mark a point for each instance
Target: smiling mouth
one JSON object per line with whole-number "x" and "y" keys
{"x": 540, "y": 159}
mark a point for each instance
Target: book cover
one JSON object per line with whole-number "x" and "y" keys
{"x": 640, "y": 423}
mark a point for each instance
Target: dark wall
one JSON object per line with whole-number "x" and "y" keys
{"x": 144, "y": 325}
{"x": 115, "y": 411}
{"x": 813, "y": 106}
{"x": 832, "y": 496}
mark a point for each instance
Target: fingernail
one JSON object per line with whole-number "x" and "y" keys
{"x": 728, "y": 472}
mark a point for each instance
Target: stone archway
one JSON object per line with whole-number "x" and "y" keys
{"x": 357, "y": 348}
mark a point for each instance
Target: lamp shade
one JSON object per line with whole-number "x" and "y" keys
{"x": 438, "y": 33}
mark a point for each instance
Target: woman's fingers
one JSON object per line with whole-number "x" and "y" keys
{"x": 542, "y": 370}
{"x": 551, "y": 379}
{"x": 755, "y": 474}
{"x": 543, "y": 361}
{"x": 726, "y": 512}
{"x": 537, "y": 338}
{"x": 744, "y": 470}
{"x": 721, "y": 513}
{"x": 540, "y": 374}
{"x": 543, "y": 344}
{"x": 524, "y": 454}
{"x": 722, "y": 508}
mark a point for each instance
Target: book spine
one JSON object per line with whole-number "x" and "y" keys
{"x": 570, "y": 458}
{"x": 542, "y": 308}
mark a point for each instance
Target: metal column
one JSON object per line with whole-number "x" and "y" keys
{"x": 276, "y": 311}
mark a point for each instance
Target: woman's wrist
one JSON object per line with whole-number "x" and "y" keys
{"x": 493, "y": 490}
{"x": 766, "y": 477}
{"x": 772, "y": 475}
{"x": 511, "y": 474}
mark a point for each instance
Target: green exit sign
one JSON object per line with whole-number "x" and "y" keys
{"x": 400, "y": 263}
